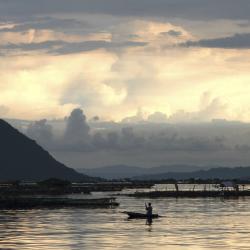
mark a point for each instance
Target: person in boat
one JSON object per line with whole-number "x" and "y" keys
{"x": 149, "y": 210}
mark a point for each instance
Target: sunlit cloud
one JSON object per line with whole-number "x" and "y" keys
{"x": 131, "y": 65}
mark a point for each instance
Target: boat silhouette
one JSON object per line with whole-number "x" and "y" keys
{"x": 134, "y": 215}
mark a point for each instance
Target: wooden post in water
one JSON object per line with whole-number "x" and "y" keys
{"x": 176, "y": 187}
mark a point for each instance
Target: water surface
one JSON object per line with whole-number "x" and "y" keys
{"x": 211, "y": 223}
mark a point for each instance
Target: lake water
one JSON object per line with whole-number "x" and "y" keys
{"x": 199, "y": 223}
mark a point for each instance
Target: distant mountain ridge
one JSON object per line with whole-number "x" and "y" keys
{"x": 124, "y": 171}
{"x": 168, "y": 172}
{"x": 23, "y": 159}
{"x": 213, "y": 173}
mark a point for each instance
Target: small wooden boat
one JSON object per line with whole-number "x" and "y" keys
{"x": 133, "y": 215}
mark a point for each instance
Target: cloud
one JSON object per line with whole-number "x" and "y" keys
{"x": 111, "y": 57}
{"x": 244, "y": 24}
{"x": 33, "y": 39}
{"x": 69, "y": 48}
{"x": 137, "y": 118}
{"x": 210, "y": 108}
{"x": 78, "y": 137}
{"x": 154, "y": 33}
{"x": 62, "y": 47}
{"x": 116, "y": 38}
{"x": 77, "y": 129}
{"x": 75, "y": 136}
{"x": 243, "y": 148}
{"x": 45, "y": 23}
{"x": 48, "y": 45}
{"x": 237, "y": 41}
{"x": 130, "y": 138}
{"x": 103, "y": 143}
{"x": 154, "y": 77}
{"x": 42, "y": 132}
{"x": 172, "y": 33}
{"x": 192, "y": 9}
{"x": 157, "y": 117}
{"x": 175, "y": 142}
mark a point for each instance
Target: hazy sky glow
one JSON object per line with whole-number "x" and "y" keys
{"x": 157, "y": 56}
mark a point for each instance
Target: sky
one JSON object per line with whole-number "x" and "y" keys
{"x": 128, "y": 62}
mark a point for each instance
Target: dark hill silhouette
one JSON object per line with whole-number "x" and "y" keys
{"x": 23, "y": 159}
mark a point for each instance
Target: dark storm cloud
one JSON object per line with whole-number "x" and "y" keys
{"x": 78, "y": 137}
{"x": 70, "y": 48}
{"x": 42, "y": 132}
{"x": 237, "y": 41}
{"x": 62, "y": 47}
{"x": 175, "y": 142}
{"x": 75, "y": 138}
{"x": 41, "y": 23}
{"x": 189, "y": 9}
{"x": 48, "y": 45}
{"x": 243, "y": 148}
{"x": 128, "y": 139}
{"x": 77, "y": 129}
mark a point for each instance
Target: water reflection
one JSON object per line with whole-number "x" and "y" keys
{"x": 211, "y": 223}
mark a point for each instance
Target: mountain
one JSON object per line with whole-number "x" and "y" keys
{"x": 123, "y": 171}
{"x": 213, "y": 173}
{"x": 23, "y": 159}
{"x": 168, "y": 172}
{"x": 113, "y": 172}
